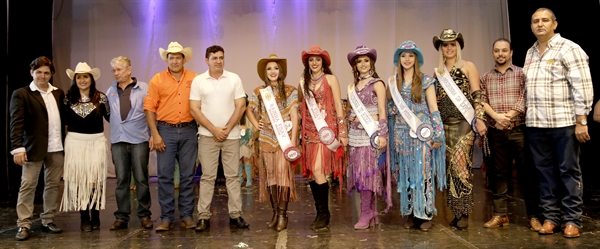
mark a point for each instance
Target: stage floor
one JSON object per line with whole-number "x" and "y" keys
{"x": 345, "y": 211}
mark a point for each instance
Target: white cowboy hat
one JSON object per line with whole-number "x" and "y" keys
{"x": 83, "y": 67}
{"x": 175, "y": 47}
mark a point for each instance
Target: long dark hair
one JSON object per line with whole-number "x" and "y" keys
{"x": 356, "y": 73}
{"x": 73, "y": 95}
{"x": 307, "y": 74}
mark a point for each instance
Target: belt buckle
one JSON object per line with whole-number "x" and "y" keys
{"x": 510, "y": 126}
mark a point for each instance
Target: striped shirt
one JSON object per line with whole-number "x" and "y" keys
{"x": 559, "y": 84}
{"x": 505, "y": 92}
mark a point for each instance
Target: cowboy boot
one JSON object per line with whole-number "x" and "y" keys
{"x": 85, "y": 220}
{"x": 322, "y": 222}
{"x": 273, "y": 200}
{"x": 366, "y": 214}
{"x": 95, "y": 221}
{"x": 241, "y": 174}
{"x": 375, "y": 220}
{"x": 248, "y": 175}
{"x": 315, "y": 192}
{"x": 282, "y": 218}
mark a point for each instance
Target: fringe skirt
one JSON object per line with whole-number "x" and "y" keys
{"x": 275, "y": 170}
{"x": 84, "y": 172}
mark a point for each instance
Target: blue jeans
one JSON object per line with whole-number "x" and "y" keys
{"x": 556, "y": 155}
{"x": 131, "y": 159}
{"x": 181, "y": 144}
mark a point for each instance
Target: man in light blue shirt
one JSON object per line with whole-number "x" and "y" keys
{"x": 129, "y": 136}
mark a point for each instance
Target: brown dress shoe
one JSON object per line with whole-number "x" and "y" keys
{"x": 534, "y": 224}
{"x": 547, "y": 228}
{"x": 188, "y": 223}
{"x": 118, "y": 224}
{"x": 571, "y": 232}
{"x": 497, "y": 221}
{"x": 147, "y": 223}
{"x": 164, "y": 226}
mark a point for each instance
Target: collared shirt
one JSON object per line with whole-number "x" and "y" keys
{"x": 217, "y": 99}
{"x": 559, "y": 84}
{"x": 134, "y": 129}
{"x": 169, "y": 99}
{"x": 505, "y": 92}
{"x": 54, "y": 123}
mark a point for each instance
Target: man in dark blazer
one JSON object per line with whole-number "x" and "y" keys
{"x": 37, "y": 136}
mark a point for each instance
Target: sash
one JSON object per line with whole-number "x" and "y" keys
{"x": 290, "y": 152}
{"x": 366, "y": 120}
{"x": 418, "y": 129}
{"x": 458, "y": 98}
{"x": 326, "y": 134}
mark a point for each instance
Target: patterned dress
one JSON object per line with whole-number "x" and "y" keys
{"x": 414, "y": 165}
{"x": 273, "y": 168}
{"x": 246, "y": 150}
{"x": 459, "y": 149}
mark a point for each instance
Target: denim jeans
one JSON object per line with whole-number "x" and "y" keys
{"x": 131, "y": 159}
{"x": 556, "y": 154}
{"x": 181, "y": 144}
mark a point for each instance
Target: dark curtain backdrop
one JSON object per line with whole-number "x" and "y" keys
{"x": 576, "y": 22}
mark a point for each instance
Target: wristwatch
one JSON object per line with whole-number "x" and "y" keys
{"x": 582, "y": 122}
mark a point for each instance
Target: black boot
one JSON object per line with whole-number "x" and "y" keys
{"x": 85, "y": 221}
{"x": 315, "y": 192}
{"x": 95, "y": 221}
{"x": 322, "y": 222}
{"x": 282, "y": 218}
{"x": 273, "y": 198}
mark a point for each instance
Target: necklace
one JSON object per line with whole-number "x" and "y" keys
{"x": 314, "y": 80}
{"x": 366, "y": 76}
{"x": 84, "y": 98}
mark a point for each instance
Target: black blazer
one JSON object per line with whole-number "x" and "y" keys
{"x": 29, "y": 121}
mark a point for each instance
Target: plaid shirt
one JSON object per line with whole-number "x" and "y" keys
{"x": 559, "y": 84}
{"x": 505, "y": 92}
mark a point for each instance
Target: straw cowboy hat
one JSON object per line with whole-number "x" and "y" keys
{"x": 83, "y": 67}
{"x": 360, "y": 51}
{"x": 262, "y": 63}
{"x": 408, "y": 46}
{"x": 175, "y": 47}
{"x": 316, "y": 50}
{"x": 448, "y": 35}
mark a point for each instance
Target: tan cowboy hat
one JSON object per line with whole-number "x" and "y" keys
{"x": 262, "y": 63}
{"x": 175, "y": 47}
{"x": 448, "y": 35}
{"x": 83, "y": 67}
{"x": 316, "y": 50}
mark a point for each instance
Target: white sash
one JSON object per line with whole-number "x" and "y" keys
{"x": 366, "y": 120}
{"x": 290, "y": 152}
{"x": 418, "y": 129}
{"x": 458, "y": 98}
{"x": 326, "y": 134}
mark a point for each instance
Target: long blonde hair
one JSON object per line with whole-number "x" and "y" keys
{"x": 442, "y": 60}
{"x": 416, "y": 90}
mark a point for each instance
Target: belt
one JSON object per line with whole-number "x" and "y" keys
{"x": 178, "y": 125}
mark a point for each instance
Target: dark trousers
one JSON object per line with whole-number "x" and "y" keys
{"x": 556, "y": 155}
{"x": 131, "y": 159}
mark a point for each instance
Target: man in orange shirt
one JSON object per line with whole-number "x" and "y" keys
{"x": 173, "y": 134}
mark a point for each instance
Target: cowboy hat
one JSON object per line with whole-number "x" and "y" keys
{"x": 262, "y": 63}
{"x": 175, "y": 47}
{"x": 448, "y": 35}
{"x": 316, "y": 51}
{"x": 360, "y": 51}
{"x": 408, "y": 46}
{"x": 83, "y": 67}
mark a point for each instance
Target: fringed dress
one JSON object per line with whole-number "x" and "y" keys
{"x": 459, "y": 147}
{"x": 86, "y": 154}
{"x": 273, "y": 168}
{"x": 364, "y": 172}
{"x": 416, "y": 168}
{"x": 330, "y": 161}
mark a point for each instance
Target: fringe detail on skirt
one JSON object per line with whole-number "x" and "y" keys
{"x": 85, "y": 170}
{"x": 275, "y": 170}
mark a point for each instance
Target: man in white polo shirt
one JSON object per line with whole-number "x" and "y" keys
{"x": 217, "y": 103}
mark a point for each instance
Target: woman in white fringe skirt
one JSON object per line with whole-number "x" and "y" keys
{"x": 86, "y": 150}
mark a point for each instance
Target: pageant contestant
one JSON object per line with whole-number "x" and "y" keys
{"x": 463, "y": 116}
{"x": 368, "y": 132}
{"x": 273, "y": 109}
{"x": 418, "y": 149}
{"x": 85, "y": 147}
{"x": 323, "y": 129}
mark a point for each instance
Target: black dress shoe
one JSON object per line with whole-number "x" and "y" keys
{"x": 238, "y": 222}
{"x": 202, "y": 225}
{"x": 51, "y": 228}
{"x": 22, "y": 234}
{"x": 118, "y": 224}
